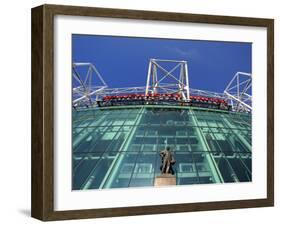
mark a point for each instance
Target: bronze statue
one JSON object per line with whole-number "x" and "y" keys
{"x": 167, "y": 161}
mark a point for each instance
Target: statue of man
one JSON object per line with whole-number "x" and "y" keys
{"x": 167, "y": 161}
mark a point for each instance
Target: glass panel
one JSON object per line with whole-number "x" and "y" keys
{"x": 240, "y": 170}
{"x": 204, "y": 171}
{"x": 98, "y": 174}
{"x": 122, "y": 174}
{"x": 185, "y": 169}
{"x": 143, "y": 174}
{"x": 120, "y": 147}
{"x": 226, "y": 170}
{"x": 82, "y": 171}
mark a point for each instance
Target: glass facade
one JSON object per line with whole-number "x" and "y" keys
{"x": 118, "y": 147}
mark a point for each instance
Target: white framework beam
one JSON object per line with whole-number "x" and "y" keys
{"x": 89, "y": 84}
{"x": 158, "y": 73}
{"x": 238, "y": 92}
{"x": 92, "y": 87}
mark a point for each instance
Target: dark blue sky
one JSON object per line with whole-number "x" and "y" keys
{"x": 123, "y": 61}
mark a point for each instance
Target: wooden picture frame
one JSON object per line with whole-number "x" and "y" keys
{"x": 42, "y": 204}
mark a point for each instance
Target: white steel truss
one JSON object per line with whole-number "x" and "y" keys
{"x": 238, "y": 92}
{"x": 204, "y": 93}
{"x": 90, "y": 87}
{"x": 174, "y": 80}
{"x": 170, "y": 88}
{"x": 86, "y": 85}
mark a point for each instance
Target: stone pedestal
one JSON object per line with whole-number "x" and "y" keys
{"x": 165, "y": 180}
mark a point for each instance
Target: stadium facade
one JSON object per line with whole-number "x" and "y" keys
{"x": 119, "y": 133}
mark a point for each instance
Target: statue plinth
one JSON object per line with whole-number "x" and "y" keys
{"x": 165, "y": 179}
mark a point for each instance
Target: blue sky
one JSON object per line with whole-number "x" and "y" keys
{"x": 123, "y": 61}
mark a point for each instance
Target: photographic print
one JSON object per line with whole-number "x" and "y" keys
{"x": 150, "y": 112}
{"x": 139, "y": 112}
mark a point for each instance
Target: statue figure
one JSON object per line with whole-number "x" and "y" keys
{"x": 167, "y": 161}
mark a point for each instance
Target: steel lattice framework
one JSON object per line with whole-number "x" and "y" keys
{"x": 89, "y": 86}
{"x": 175, "y": 80}
{"x": 239, "y": 93}
{"x": 86, "y": 86}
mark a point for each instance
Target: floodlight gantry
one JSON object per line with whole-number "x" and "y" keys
{"x": 238, "y": 92}
{"x": 160, "y": 79}
{"x": 90, "y": 86}
{"x": 87, "y": 84}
